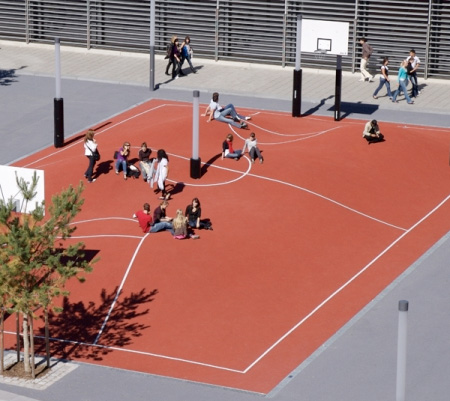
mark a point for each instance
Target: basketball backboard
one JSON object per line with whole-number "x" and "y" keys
{"x": 330, "y": 37}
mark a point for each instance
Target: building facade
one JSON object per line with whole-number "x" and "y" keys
{"x": 255, "y": 31}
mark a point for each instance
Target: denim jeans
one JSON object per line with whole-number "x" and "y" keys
{"x": 123, "y": 164}
{"x": 236, "y": 153}
{"x": 402, "y": 87}
{"x": 254, "y": 153}
{"x": 415, "y": 85}
{"x": 162, "y": 226}
{"x": 229, "y": 110}
{"x": 383, "y": 81}
{"x": 90, "y": 169}
{"x": 188, "y": 58}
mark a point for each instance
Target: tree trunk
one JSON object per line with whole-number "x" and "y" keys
{"x": 47, "y": 338}
{"x": 18, "y": 336}
{"x": 2, "y": 343}
{"x": 33, "y": 364}
{"x": 26, "y": 345}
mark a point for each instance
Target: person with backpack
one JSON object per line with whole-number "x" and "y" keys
{"x": 169, "y": 53}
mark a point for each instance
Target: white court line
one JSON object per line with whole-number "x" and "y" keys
{"x": 97, "y": 133}
{"x": 287, "y": 184}
{"x": 276, "y": 343}
{"x": 171, "y": 358}
{"x": 330, "y": 297}
{"x": 119, "y": 290}
{"x": 299, "y": 323}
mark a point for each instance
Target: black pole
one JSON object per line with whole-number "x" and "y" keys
{"x": 337, "y": 97}
{"x": 59, "y": 122}
{"x": 297, "y": 94}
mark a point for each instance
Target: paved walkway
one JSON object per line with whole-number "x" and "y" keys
{"x": 241, "y": 79}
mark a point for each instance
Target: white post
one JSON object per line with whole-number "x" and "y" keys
{"x": 195, "y": 125}
{"x": 196, "y": 171}
{"x": 58, "y": 68}
{"x": 401, "y": 350}
{"x": 298, "y": 40}
{"x": 152, "y": 45}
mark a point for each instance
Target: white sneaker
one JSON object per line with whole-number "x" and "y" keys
{"x": 371, "y": 78}
{"x": 362, "y": 79}
{"x": 248, "y": 118}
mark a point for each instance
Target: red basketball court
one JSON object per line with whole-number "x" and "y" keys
{"x": 300, "y": 243}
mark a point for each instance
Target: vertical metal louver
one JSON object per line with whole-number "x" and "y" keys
{"x": 238, "y": 30}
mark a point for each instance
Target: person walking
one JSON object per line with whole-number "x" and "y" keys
{"x": 402, "y": 82}
{"x": 186, "y": 53}
{"x": 384, "y": 79}
{"x": 365, "y": 56}
{"x": 175, "y": 58}
{"x": 415, "y": 63}
{"x": 91, "y": 152}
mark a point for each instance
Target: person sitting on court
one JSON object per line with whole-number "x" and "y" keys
{"x": 372, "y": 132}
{"x": 144, "y": 218}
{"x": 193, "y": 216}
{"x": 252, "y": 145}
{"x": 122, "y": 159}
{"x": 227, "y": 149}
{"x": 160, "y": 221}
{"x": 180, "y": 227}
{"x": 145, "y": 162}
{"x": 219, "y": 113}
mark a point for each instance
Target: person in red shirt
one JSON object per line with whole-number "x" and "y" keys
{"x": 144, "y": 218}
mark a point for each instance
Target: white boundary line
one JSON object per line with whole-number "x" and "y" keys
{"x": 283, "y": 337}
{"x": 344, "y": 286}
{"x": 119, "y": 290}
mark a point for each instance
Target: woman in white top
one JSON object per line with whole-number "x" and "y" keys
{"x": 219, "y": 113}
{"x": 90, "y": 151}
{"x": 384, "y": 79}
{"x": 162, "y": 172}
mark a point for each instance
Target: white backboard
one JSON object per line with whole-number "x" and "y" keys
{"x": 10, "y": 190}
{"x": 330, "y": 37}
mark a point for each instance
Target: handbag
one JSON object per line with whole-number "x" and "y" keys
{"x": 116, "y": 154}
{"x": 96, "y": 155}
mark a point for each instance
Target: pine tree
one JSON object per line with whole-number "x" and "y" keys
{"x": 34, "y": 263}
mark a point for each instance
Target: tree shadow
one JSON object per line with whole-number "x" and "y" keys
{"x": 75, "y": 329}
{"x": 7, "y": 77}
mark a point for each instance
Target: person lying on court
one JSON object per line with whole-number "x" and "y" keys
{"x": 219, "y": 113}
{"x": 372, "y": 132}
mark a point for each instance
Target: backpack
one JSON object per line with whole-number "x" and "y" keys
{"x": 168, "y": 50}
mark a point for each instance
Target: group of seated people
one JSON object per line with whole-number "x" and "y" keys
{"x": 181, "y": 226}
{"x": 153, "y": 169}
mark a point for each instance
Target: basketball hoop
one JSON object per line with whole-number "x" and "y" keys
{"x": 319, "y": 54}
